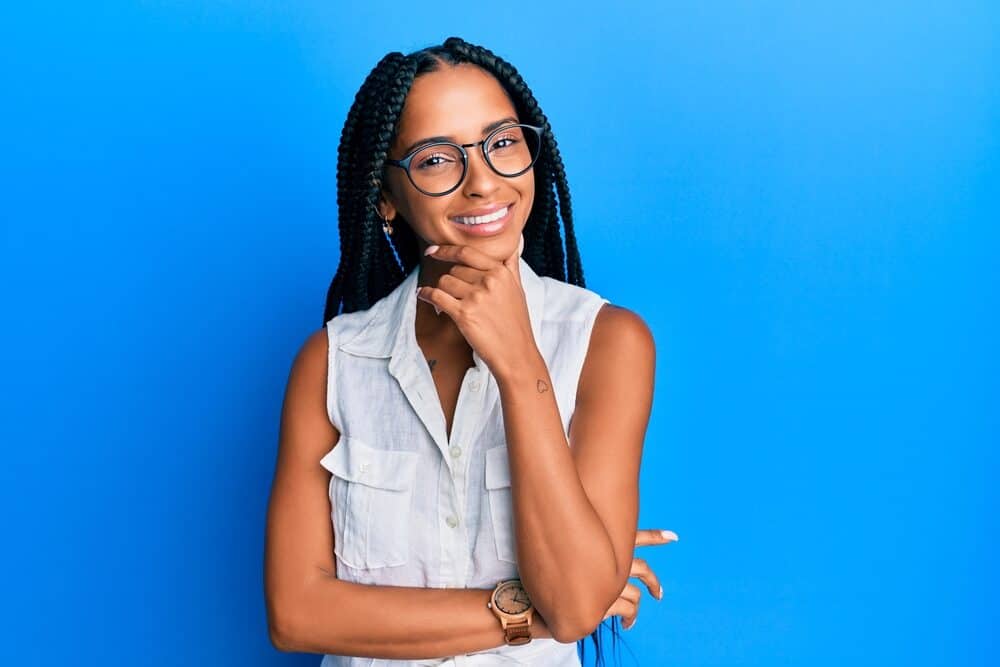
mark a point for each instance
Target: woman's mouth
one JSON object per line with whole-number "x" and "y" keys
{"x": 484, "y": 225}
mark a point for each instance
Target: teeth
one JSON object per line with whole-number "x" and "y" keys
{"x": 480, "y": 219}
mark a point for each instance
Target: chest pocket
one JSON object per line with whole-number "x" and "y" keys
{"x": 370, "y": 494}
{"x": 501, "y": 503}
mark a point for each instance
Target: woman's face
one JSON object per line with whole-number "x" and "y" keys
{"x": 458, "y": 102}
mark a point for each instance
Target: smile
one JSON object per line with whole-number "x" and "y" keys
{"x": 483, "y": 219}
{"x": 484, "y": 225}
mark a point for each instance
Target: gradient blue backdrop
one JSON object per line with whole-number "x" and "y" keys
{"x": 801, "y": 201}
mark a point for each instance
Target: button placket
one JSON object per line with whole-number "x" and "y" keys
{"x": 468, "y": 415}
{"x": 454, "y": 560}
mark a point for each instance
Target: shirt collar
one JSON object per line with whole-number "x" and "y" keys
{"x": 390, "y": 330}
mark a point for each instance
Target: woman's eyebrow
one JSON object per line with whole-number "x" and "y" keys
{"x": 486, "y": 130}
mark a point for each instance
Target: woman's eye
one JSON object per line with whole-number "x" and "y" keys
{"x": 500, "y": 143}
{"x": 433, "y": 161}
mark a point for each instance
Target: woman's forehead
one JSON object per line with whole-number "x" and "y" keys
{"x": 456, "y": 101}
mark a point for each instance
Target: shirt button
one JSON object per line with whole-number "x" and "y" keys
{"x": 474, "y": 385}
{"x": 456, "y": 451}
{"x": 364, "y": 467}
{"x": 452, "y": 521}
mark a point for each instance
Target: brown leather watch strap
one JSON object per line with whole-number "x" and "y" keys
{"x": 518, "y": 633}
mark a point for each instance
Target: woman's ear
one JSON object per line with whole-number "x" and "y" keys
{"x": 385, "y": 206}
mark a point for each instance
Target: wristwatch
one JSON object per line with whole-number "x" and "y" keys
{"x": 511, "y": 605}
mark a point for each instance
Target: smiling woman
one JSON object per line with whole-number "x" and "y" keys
{"x": 457, "y": 477}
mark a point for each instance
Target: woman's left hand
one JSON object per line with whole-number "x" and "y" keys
{"x": 485, "y": 299}
{"x": 627, "y": 604}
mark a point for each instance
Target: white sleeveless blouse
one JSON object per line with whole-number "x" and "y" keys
{"x": 411, "y": 507}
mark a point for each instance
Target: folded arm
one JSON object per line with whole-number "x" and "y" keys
{"x": 308, "y": 608}
{"x": 576, "y": 502}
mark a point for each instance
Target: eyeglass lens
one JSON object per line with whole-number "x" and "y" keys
{"x": 439, "y": 167}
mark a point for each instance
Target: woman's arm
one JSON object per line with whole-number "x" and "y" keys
{"x": 345, "y": 618}
{"x": 576, "y": 507}
{"x": 308, "y": 608}
{"x": 575, "y": 504}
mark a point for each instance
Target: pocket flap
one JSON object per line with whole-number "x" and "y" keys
{"x": 353, "y": 460}
{"x": 497, "y": 468}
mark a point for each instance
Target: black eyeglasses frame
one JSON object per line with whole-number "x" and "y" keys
{"x": 404, "y": 163}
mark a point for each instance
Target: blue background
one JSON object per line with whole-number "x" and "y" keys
{"x": 800, "y": 200}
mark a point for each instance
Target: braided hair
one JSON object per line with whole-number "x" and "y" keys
{"x": 372, "y": 263}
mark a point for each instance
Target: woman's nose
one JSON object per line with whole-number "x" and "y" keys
{"x": 480, "y": 179}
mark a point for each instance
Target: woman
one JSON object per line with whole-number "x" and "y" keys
{"x": 432, "y": 496}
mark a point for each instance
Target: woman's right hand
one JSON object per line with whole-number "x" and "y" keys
{"x": 627, "y": 604}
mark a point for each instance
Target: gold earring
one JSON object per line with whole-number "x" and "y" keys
{"x": 386, "y": 223}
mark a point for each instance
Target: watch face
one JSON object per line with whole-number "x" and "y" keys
{"x": 512, "y": 598}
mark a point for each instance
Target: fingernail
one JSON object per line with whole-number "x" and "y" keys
{"x": 659, "y": 596}
{"x": 669, "y": 535}
{"x": 633, "y": 624}
{"x": 430, "y": 249}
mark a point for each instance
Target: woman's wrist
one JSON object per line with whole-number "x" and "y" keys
{"x": 521, "y": 368}
{"x": 539, "y": 628}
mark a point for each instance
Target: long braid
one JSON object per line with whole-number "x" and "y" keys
{"x": 384, "y": 131}
{"x": 573, "y": 265}
{"x": 552, "y": 242}
{"x": 369, "y": 272}
{"x": 355, "y": 222}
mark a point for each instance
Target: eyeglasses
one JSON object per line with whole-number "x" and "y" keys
{"x": 439, "y": 168}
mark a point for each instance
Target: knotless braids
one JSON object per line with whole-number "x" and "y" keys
{"x": 372, "y": 264}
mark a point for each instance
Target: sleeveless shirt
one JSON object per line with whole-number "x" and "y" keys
{"x": 411, "y": 506}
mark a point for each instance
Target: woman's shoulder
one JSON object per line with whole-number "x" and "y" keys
{"x": 623, "y": 327}
{"x": 621, "y": 352}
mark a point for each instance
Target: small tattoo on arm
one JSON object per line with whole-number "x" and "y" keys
{"x": 431, "y": 363}
{"x": 542, "y": 386}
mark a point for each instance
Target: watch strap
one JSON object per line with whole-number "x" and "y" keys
{"x": 518, "y": 633}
